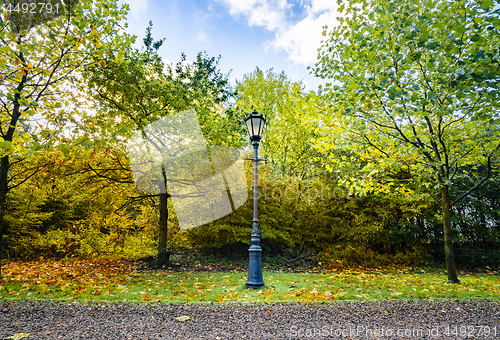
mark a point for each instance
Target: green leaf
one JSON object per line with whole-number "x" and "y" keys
{"x": 35, "y": 146}
{"x": 371, "y": 55}
{"x": 395, "y": 166}
{"x": 6, "y": 145}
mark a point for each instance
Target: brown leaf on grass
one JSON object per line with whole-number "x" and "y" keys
{"x": 76, "y": 272}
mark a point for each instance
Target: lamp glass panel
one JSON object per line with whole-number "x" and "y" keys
{"x": 256, "y": 123}
{"x": 249, "y": 127}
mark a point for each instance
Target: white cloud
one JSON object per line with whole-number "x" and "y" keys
{"x": 202, "y": 37}
{"x": 299, "y": 39}
{"x": 137, "y": 7}
{"x": 270, "y": 14}
{"x": 302, "y": 40}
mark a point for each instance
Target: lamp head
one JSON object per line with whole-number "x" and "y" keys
{"x": 255, "y": 124}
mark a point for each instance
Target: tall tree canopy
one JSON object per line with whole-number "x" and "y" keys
{"x": 289, "y": 132}
{"x": 415, "y": 83}
{"x": 130, "y": 94}
{"x": 38, "y": 62}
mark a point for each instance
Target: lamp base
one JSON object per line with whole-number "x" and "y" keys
{"x": 255, "y": 280}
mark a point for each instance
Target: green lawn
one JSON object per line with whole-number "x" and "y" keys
{"x": 90, "y": 281}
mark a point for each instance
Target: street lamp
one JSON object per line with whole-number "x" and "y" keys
{"x": 255, "y": 125}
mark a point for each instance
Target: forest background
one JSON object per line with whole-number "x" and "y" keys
{"x": 393, "y": 162}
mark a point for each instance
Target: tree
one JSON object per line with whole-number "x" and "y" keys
{"x": 289, "y": 132}
{"x": 131, "y": 94}
{"x": 64, "y": 211}
{"x": 416, "y": 83}
{"x": 38, "y": 62}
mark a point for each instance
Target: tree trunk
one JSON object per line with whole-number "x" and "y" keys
{"x": 163, "y": 254}
{"x": 4, "y": 162}
{"x": 4, "y": 169}
{"x": 448, "y": 235}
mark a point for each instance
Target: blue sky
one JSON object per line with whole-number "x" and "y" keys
{"x": 282, "y": 34}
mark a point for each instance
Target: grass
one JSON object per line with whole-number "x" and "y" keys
{"x": 118, "y": 281}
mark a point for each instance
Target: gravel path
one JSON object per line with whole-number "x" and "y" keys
{"x": 346, "y": 320}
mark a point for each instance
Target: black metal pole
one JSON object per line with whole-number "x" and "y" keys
{"x": 255, "y": 280}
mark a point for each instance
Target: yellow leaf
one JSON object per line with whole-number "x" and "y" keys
{"x": 103, "y": 62}
{"x": 18, "y": 336}
{"x": 182, "y": 318}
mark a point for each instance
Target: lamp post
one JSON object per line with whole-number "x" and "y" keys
{"x": 255, "y": 125}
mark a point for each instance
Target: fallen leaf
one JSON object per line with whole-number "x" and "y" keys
{"x": 17, "y": 336}
{"x": 183, "y": 318}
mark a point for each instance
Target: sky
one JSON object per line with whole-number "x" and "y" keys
{"x": 279, "y": 34}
